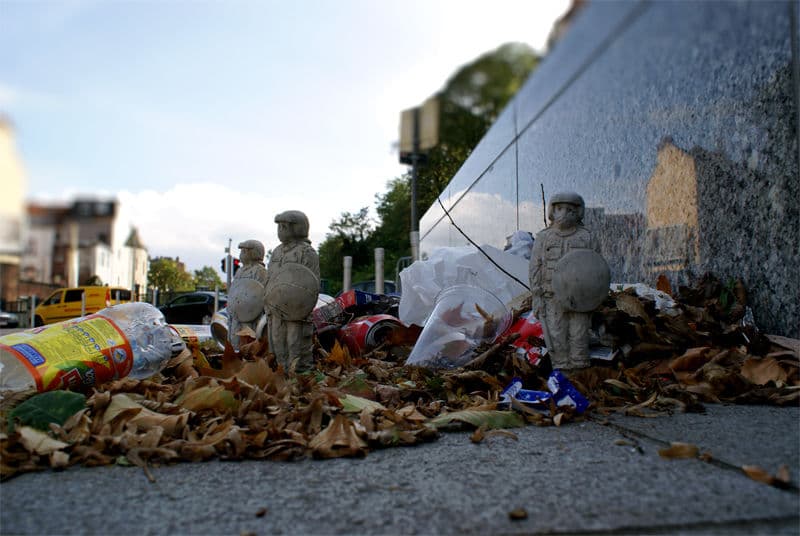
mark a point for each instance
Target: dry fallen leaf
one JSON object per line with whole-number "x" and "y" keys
{"x": 338, "y": 439}
{"x": 759, "y": 474}
{"x": 39, "y": 442}
{"x": 764, "y": 370}
{"x": 679, "y": 450}
{"x": 518, "y": 514}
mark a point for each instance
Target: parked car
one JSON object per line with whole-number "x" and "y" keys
{"x": 66, "y": 303}
{"x": 369, "y": 286}
{"x": 8, "y": 320}
{"x": 193, "y": 308}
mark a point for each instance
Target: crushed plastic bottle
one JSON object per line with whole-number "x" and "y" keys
{"x": 126, "y": 340}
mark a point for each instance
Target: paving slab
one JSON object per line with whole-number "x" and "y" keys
{"x": 581, "y": 478}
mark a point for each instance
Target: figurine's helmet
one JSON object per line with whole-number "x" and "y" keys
{"x": 570, "y": 198}
{"x": 298, "y": 222}
{"x": 256, "y": 249}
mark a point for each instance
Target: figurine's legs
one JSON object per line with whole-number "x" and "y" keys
{"x": 233, "y": 327}
{"x": 300, "y": 344}
{"x": 278, "y": 340}
{"x": 555, "y": 331}
{"x": 579, "y": 324}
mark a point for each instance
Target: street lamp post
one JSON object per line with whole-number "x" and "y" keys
{"x": 419, "y": 131}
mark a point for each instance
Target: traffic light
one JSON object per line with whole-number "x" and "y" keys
{"x": 222, "y": 265}
{"x": 236, "y": 265}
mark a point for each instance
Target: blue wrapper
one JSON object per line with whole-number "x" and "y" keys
{"x": 565, "y": 394}
{"x": 530, "y": 398}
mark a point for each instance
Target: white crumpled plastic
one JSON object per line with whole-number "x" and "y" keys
{"x": 423, "y": 280}
{"x": 663, "y": 301}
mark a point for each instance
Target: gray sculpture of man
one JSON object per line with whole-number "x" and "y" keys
{"x": 246, "y": 295}
{"x": 568, "y": 279}
{"x": 292, "y": 291}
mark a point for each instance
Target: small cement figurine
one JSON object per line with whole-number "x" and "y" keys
{"x": 292, "y": 291}
{"x": 568, "y": 279}
{"x": 246, "y": 295}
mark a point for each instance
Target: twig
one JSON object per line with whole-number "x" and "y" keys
{"x": 492, "y": 349}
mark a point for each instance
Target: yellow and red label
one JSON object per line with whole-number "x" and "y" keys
{"x": 75, "y": 354}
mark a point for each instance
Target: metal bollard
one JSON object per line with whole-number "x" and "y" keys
{"x": 348, "y": 273}
{"x": 379, "y": 256}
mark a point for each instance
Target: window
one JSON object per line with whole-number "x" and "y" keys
{"x": 73, "y": 295}
{"x": 54, "y": 298}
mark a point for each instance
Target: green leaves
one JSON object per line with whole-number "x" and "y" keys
{"x": 45, "y": 408}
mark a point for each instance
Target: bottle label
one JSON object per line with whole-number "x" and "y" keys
{"x": 74, "y": 354}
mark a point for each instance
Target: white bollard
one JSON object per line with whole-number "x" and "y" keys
{"x": 348, "y": 273}
{"x": 379, "y": 256}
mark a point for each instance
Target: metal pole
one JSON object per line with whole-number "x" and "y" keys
{"x": 348, "y": 273}
{"x": 33, "y": 310}
{"x": 414, "y": 235}
{"x": 228, "y": 265}
{"x": 83, "y": 303}
{"x": 379, "y": 256}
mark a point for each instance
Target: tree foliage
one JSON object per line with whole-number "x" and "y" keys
{"x": 168, "y": 275}
{"x": 472, "y": 99}
{"x": 207, "y": 278}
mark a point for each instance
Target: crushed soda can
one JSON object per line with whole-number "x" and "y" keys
{"x": 350, "y": 305}
{"x": 367, "y": 332}
{"x": 533, "y": 399}
{"x": 564, "y": 393}
{"x": 529, "y": 345}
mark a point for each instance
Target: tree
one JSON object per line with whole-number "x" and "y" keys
{"x": 207, "y": 278}
{"x": 93, "y": 281}
{"x": 349, "y": 236}
{"x": 470, "y": 102}
{"x": 167, "y": 275}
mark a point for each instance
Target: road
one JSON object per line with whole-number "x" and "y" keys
{"x": 593, "y": 477}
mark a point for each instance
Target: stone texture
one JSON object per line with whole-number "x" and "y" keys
{"x": 677, "y": 122}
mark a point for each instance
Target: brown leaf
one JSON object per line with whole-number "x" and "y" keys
{"x": 340, "y": 355}
{"x": 209, "y": 397}
{"x": 692, "y": 359}
{"x": 478, "y": 435}
{"x": 338, "y": 439}
{"x": 663, "y": 284}
{"x": 38, "y": 442}
{"x": 679, "y": 450}
{"x": 764, "y": 370}
{"x": 758, "y": 474}
{"x": 783, "y": 474}
{"x": 518, "y": 514}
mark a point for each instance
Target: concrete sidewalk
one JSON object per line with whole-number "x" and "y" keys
{"x": 586, "y": 478}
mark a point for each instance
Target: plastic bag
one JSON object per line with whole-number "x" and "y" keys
{"x": 446, "y": 267}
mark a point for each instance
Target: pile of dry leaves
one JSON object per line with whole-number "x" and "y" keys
{"x": 243, "y": 408}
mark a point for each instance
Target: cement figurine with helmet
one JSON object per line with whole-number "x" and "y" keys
{"x": 569, "y": 279}
{"x": 292, "y": 289}
{"x": 246, "y": 295}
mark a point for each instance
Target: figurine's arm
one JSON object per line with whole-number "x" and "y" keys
{"x": 535, "y": 275}
{"x": 311, "y": 259}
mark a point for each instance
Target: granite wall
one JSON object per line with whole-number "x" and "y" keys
{"x": 677, "y": 122}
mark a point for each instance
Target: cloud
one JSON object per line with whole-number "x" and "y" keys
{"x": 194, "y": 221}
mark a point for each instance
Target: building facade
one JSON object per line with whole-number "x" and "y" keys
{"x": 83, "y": 242}
{"x": 677, "y": 122}
{"x": 13, "y": 185}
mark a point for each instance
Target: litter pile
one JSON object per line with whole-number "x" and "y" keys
{"x": 664, "y": 354}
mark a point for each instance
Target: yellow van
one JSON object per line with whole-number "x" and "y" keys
{"x": 66, "y": 303}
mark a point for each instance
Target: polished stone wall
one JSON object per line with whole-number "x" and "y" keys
{"x": 677, "y": 122}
